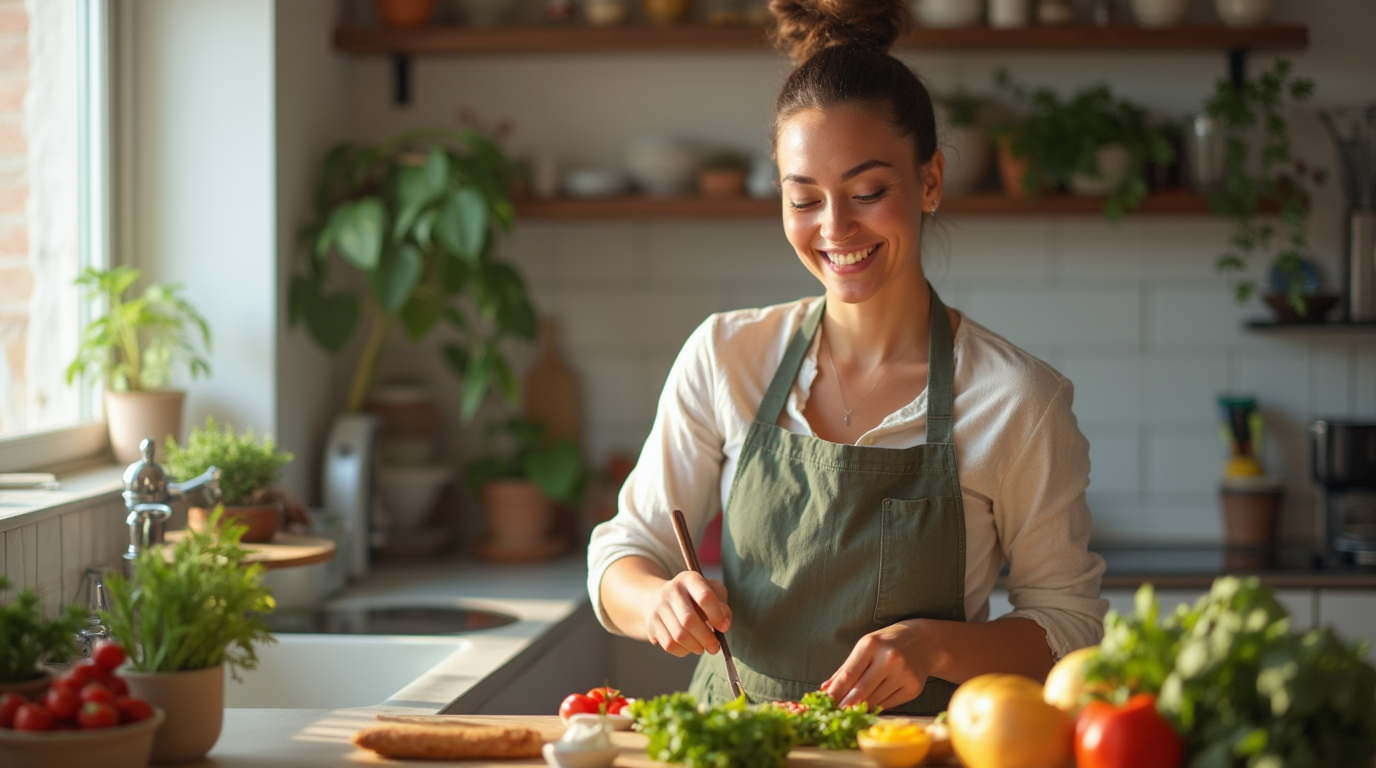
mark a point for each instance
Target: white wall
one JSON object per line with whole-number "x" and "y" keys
{"x": 1134, "y": 314}
{"x": 205, "y": 197}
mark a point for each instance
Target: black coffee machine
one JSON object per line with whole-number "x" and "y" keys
{"x": 1345, "y": 468}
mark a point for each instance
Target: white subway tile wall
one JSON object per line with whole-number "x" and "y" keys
{"x": 1133, "y": 313}
{"x": 52, "y": 554}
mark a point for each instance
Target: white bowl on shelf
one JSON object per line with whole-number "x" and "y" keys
{"x": 662, "y": 166}
{"x": 1243, "y": 13}
{"x": 948, "y": 13}
{"x": 593, "y": 182}
{"x": 1159, "y": 14}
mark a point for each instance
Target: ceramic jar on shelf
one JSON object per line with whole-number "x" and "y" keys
{"x": 1159, "y": 14}
{"x": 948, "y": 13}
{"x": 1243, "y": 13}
{"x": 1010, "y": 14}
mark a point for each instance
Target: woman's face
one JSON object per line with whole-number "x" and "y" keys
{"x": 853, "y": 198}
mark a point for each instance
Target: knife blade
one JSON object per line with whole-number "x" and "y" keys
{"x": 690, "y": 557}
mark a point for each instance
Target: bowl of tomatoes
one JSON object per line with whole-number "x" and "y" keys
{"x": 85, "y": 717}
{"x": 595, "y": 705}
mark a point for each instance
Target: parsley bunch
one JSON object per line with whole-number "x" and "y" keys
{"x": 733, "y": 735}
{"x": 1241, "y": 687}
{"x": 830, "y": 726}
{"x": 27, "y": 637}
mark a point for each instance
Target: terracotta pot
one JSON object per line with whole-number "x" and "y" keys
{"x": 721, "y": 182}
{"x": 1011, "y": 169}
{"x": 665, "y": 12}
{"x": 195, "y": 706}
{"x": 1250, "y": 516}
{"x": 405, "y": 14}
{"x": 132, "y": 416}
{"x": 262, "y": 520}
{"x": 516, "y": 511}
{"x": 27, "y": 688}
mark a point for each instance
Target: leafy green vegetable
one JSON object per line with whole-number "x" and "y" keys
{"x": 201, "y": 609}
{"x": 733, "y": 735}
{"x": 248, "y": 469}
{"x": 1242, "y": 688}
{"x": 26, "y": 638}
{"x": 832, "y": 727}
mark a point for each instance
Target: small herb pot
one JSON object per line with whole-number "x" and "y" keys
{"x": 262, "y": 520}
{"x": 721, "y": 182}
{"x": 195, "y": 705}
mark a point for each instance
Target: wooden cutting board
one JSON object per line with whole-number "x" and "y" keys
{"x": 632, "y": 747}
{"x": 551, "y": 391}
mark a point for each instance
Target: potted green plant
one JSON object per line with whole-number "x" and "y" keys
{"x": 1256, "y": 111}
{"x": 722, "y": 174}
{"x": 520, "y": 475}
{"x": 28, "y": 639}
{"x": 963, "y": 140}
{"x": 131, "y": 348}
{"x": 249, "y": 472}
{"x": 182, "y": 619}
{"x": 1092, "y": 144}
{"x": 417, "y": 218}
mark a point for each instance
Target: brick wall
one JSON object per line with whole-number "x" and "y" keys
{"x": 16, "y": 281}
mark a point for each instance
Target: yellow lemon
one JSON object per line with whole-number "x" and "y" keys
{"x": 1001, "y": 721}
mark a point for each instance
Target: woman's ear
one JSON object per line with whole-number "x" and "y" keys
{"x": 933, "y": 175}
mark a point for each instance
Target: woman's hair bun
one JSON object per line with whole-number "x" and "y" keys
{"x": 804, "y": 27}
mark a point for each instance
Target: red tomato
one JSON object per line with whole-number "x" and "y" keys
{"x": 93, "y": 672}
{"x": 70, "y": 681}
{"x": 33, "y": 717}
{"x": 9, "y": 704}
{"x": 117, "y": 686}
{"x": 133, "y": 710}
{"x": 576, "y": 704}
{"x": 61, "y": 703}
{"x": 94, "y": 714}
{"x": 617, "y": 706}
{"x": 97, "y": 693}
{"x": 108, "y": 655}
{"x": 604, "y": 693}
{"x": 1132, "y": 736}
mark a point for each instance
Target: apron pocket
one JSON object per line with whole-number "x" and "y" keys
{"x": 921, "y": 561}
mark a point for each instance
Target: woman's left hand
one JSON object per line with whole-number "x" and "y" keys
{"x": 886, "y": 668}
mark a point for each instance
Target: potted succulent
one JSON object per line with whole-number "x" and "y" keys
{"x": 722, "y": 174}
{"x": 1092, "y": 144}
{"x": 28, "y": 639}
{"x": 417, "y": 218}
{"x": 520, "y": 476}
{"x": 1273, "y": 175}
{"x": 249, "y": 471}
{"x": 182, "y": 619}
{"x": 132, "y": 348}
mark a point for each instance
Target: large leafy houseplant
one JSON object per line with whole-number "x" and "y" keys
{"x": 1273, "y": 174}
{"x": 201, "y": 608}
{"x": 1062, "y": 138}
{"x": 133, "y": 345}
{"x": 249, "y": 468}
{"x": 28, "y": 638}
{"x": 417, "y": 218}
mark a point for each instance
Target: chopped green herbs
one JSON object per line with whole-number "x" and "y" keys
{"x": 832, "y": 727}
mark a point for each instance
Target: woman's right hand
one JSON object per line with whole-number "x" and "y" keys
{"x": 682, "y": 614}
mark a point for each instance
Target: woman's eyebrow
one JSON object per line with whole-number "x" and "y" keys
{"x": 847, "y": 176}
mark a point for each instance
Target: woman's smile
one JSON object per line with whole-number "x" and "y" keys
{"x": 850, "y": 260}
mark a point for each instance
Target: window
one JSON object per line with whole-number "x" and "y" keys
{"x": 53, "y": 216}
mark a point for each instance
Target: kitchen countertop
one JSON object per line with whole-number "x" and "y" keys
{"x": 1196, "y": 567}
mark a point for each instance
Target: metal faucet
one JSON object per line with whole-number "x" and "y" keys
{"x": 93, "y": 588}
{"x": 148, "y": 494}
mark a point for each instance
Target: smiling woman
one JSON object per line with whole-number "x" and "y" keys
{"x": 870, "y": 498}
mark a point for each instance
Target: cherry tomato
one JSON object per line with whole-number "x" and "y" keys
{"x": 1134, "y": 735}
{"x": 9, "y": 704}
{"x": 94, "y": 714}
{"x": 61, "y": 703}
{"x": 33, "y": 717}
{"x": 118, "y": 686}
{"x": 576, "y": 704}
{"x": 108, "y": 655}
{"x": 604, "y": 693}
{"x": 132, "y": 710}
{"x": 70, "y": 681}
{"x": 617, "y": 706}
{"x": 93, "y": 672}
{"x": 97, "y": 693}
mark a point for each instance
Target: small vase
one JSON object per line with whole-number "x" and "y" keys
{"x": 1251, "y": 512}
{"x": 967, "y": 156}
{"x": 132, "y": 416}
{"x": 195, "y": 705}
{"x": 663, "y": 13}
{"x": 1009, "y": 14}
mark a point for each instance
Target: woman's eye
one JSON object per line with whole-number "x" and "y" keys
{"x": 873, "y": 195}
{"x": 803, "y": 205}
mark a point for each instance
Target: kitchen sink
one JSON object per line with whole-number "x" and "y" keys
{"x": 386, "y": 620}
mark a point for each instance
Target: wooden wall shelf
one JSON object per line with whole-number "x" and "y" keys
{"x": 1341, "y": 328}
{"x": 702, "y": 37}
{"x": 990, "y": 204}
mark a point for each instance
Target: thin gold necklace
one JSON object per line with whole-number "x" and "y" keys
{"x": 832, "y": 362}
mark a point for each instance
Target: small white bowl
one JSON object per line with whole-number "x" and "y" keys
{"x": 617, "y": 722}
{"x": 578, "y": 758}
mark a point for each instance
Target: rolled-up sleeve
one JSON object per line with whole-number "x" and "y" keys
{"x": 1044, "y": 526}
{"x": 679, "y": 468}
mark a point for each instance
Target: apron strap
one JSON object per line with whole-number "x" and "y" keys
{"x": 777, "y": 395}
{"x": 940, "y": 371}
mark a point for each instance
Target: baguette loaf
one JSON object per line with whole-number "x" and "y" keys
{"x": 452, "y": 742}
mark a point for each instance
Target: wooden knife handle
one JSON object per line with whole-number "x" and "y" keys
{"x": 685, "y": 542}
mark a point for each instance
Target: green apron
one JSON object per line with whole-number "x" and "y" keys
{"x": 824, "y": 543}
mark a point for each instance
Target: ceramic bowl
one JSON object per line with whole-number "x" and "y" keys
{"x": 124, "y": 746}
{"x": 617, "y": 722}
{"x": 662, "y": 167}
{"x": 408, "y": 493}
{"x": 894, "y": 754}
{"x": 1159, "y": 14}
{"x": 593, "y": 182}
{"x": 1243, "y": 13}
{"x": 948, "y": 13}
{"x": 583, "y": 758}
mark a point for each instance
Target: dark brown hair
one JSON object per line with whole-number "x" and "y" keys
{"x": 841, "y": 48}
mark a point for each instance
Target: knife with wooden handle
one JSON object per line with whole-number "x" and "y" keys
{"x": 685, "y": 543}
